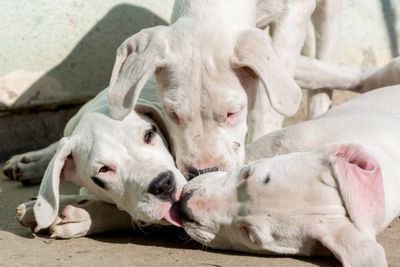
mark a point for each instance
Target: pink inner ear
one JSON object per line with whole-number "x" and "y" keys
{"x": 361, "y": 186}
{"x": 354, "y": 155}
{"x": 68, "y": 170}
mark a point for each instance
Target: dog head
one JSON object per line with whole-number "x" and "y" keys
{"x": 123, "y": 162}
{"x": 292, "y": 204}
{"x": 207, "y": 82}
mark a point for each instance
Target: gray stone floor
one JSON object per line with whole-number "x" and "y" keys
{"x": 151, "y": 247}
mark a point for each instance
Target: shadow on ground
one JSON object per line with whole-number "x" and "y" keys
{"x": 166, "y": 240}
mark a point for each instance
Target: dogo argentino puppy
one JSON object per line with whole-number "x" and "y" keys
{"x": 208, "y": 64}
{"x": 333, "y": 181}
{"x": 126, "y": 163}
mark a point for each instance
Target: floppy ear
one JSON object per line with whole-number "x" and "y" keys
{"x": 253, "y": 231}
{"x": 360, "y": 184}
{"x": 350, "y": 246}
{"x": 254, "y": 51}
{"x": 60, "y": 168}
{"x": 137, "y": 59}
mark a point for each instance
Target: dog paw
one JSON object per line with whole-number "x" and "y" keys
{"x": 27, "y": 168}
{"x": 71, "y": 222}
{"x": 26, "y": 217}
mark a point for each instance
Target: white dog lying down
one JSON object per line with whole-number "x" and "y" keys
{"x": 335, "y": 181}
{"x": 209, "y": 64}
{"x": 126, "y": 163}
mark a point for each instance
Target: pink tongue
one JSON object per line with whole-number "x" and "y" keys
{"x": 172, "y": 216}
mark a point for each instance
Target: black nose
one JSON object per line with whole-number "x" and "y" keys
{"x": 163, "y": 186}
{"x": 193, "y": 172}
{"x": 184, "y": 211}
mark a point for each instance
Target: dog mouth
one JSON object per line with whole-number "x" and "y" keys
{"x": 172, "y": 215}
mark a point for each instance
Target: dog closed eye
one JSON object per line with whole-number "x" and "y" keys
{"x": 267, "y": 179}
{"x": 99, "y": 182}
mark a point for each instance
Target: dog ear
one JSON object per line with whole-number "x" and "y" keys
{"x": 360, "y": 183}
{"x": 349, "y": 245}
{"x": 253, "y": 230}
{"x": 61, "y": 168}
{"x": 137, "y": 59}
{"x": 254, "y": 51}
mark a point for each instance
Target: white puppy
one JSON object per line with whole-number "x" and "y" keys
{"x": 335, "y": 180}
{"x": 208, "y": 64}
{"x": 126, "y": 163}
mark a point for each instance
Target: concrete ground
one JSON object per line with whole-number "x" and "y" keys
{"x": 165, "y": 246}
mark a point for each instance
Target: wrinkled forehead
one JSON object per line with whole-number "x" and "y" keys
{"x": 198, "y": 62}
{"x": 100, "y": 125}
{"x": 201, "y": 44}
{"x": 100, "y": 135}
{"x": 288, "y": 168}
{"x": 188, "y": 87}
{"x": 282, "y": 183}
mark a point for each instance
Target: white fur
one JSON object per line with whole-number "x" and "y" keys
{"x": 212, "y": 61}
{"x": 92, "y": 140}
{"x": 302, "y": 203}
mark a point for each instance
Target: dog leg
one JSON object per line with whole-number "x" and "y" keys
{"x": 314, "y": 74}
{"x": 26, "y": 217}
{"x": 289, "y": 31}
{"x": 29, "y": 168}
{"x": 326, "y": 21}
{"x": 78, "y": 216}
{"x": 388, "y": 75}
{"x": 88, "y": 218}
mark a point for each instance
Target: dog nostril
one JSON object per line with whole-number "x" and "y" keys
{"x": 193, "y": 172}
{"x": 163, "y": 186}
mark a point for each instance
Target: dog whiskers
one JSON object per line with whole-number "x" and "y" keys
{"x": 157, "y": 225}
{"x": 137, "y": 224}
{"x": 184, "y": 236}
{"x": 133, "y": 223}
{"x": 204, "y": 247}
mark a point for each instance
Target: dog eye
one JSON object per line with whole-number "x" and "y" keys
{"x": 267, "y": 179}
{"x": 103, "y": 169}
{"x": 99, "y": 182}
{"x": 149, "y": 134}
{"x": 231, "y": 115}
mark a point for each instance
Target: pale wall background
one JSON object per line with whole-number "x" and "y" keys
{"x": 54, "y": 55}
{"x": 62, "y": 51}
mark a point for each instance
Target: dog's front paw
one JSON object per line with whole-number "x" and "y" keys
{"x": 71, "y": 222}
{"x": 26, "y": 217}
{"x": 27, "y": 168}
